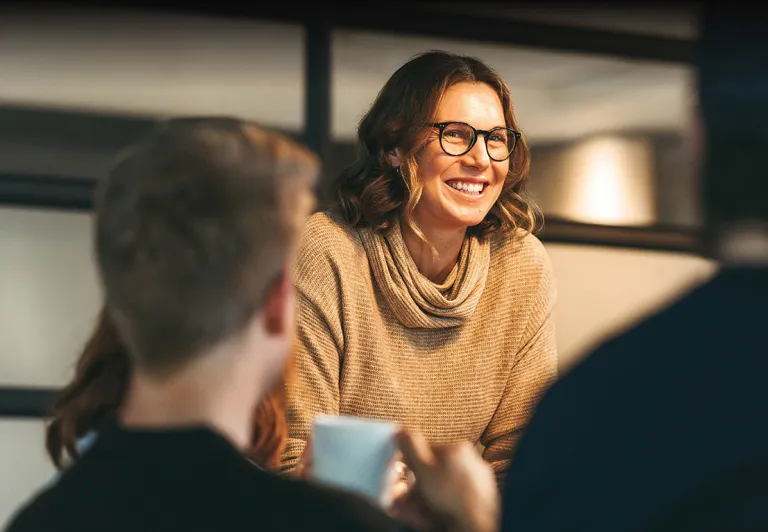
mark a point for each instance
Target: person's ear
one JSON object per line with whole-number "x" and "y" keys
{"x": 278, "y": 306}
{"x": 395, "y": 157}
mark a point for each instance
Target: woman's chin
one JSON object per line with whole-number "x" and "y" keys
{"x": 469, "y": 219}
{"x": 464, "y": 222}
{"x": 450, "y": 215}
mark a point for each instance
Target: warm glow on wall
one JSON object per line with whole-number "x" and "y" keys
{"x": 608, "y": 180}
{"x": 600, "y": 194}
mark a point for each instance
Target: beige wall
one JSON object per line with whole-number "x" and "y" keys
{"x": 49, "y": 294}
{"x": 603, "y": 290}
{"x": 24, "y": 467}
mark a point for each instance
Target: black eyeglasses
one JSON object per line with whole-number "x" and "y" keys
{"x": 457, "y": 138}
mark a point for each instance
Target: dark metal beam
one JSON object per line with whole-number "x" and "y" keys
{"x": 18, "y": 402}
{"x": 67, "y": 128}
{"x": 496, "y": 30}
{"x": 433, "y": 22}
{"x": 78, "y": 128}
{"x": 47, "y": 192}
{"x": 658, "y": 238}
{"x": 317, "y": 96}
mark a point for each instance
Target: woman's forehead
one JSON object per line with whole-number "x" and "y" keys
{"x": 474, "y": 103}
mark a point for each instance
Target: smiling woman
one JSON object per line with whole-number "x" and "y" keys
{"x": 424, "y": 297}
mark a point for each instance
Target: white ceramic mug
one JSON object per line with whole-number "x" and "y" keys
{"x": 355, "y": 454}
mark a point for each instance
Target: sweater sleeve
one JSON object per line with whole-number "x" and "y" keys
{"x": 318, "y": 348}
{"x": 533, "y": 371}
{"x": 315, "y": 385}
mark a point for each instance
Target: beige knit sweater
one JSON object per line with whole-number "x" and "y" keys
{"x": 463, "y": 361}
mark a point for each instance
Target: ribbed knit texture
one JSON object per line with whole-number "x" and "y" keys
{"x": 417, "y": 302}
{"x": 466, "y": 360}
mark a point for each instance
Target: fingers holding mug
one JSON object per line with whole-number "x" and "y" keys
{"x": 402, "y": 480}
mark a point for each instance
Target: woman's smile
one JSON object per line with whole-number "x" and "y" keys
{"x": 468, "y": 188}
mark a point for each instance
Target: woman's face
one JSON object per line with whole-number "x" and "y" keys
{"x": 443, "y": 205}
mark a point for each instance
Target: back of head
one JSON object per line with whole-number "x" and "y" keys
{"x": 193, "y": 226}
{"x": 733, "y": 102}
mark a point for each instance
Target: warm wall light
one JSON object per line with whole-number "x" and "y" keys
{"x": 600, "y": 194}
{"x": 609, "y": 180}
{"x": 605, "y": 180}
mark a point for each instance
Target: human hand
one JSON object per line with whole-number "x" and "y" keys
{"x": 455, "y": 488}
{"x": 403, "y": 478}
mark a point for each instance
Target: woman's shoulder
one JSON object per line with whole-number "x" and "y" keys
{"x": 521, "y": 261}
{"x": 327, "y": 231}
{"x": 519, "y": 249}
{"x": 328, "y": 245}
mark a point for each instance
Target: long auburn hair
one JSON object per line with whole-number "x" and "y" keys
{"x": 97, "y": 390}
{"x": 371, "y": 192}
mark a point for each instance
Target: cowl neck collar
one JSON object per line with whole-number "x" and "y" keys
{"x": 417, "y": 302}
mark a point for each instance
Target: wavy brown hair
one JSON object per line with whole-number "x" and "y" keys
{"x": 371, "y": 192}
{"x": 96, "y": 392}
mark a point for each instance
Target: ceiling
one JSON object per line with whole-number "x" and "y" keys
{"x": 672, "y": 19}
{"x": 160, "y": 65}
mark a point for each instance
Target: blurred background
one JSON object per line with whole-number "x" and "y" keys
{"x": 603, "y": 94}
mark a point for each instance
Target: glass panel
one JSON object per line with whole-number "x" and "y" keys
{"x": 50, "y": 295}
{"x": 153, "y": 64}
{"x": 607, "y": 135}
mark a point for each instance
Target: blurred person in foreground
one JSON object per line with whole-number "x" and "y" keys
{"x": 97, "y": 391}
{"x": 665, "y": 428}
{"x": 194, "y": 230}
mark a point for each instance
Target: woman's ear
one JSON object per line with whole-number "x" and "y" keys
{"x": 395, "y": 157}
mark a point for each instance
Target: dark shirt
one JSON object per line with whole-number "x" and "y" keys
{"x": 190, "y": 479}
{"x": 662, "y": 428}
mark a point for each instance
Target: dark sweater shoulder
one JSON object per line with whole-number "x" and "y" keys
{"x": 187, "y": 483}
{"x": 342, "y": 510}
{"x": 277, "y": 504}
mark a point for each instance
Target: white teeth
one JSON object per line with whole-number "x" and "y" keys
{"x": 473, "y": 189}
